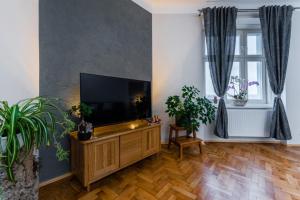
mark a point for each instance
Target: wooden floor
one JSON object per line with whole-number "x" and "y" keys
{"x": 223, "y": 171}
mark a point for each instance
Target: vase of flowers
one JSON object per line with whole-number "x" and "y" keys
{"x": 85, "y": 131}
{"x": 238, "y": 90}
{"x": 82, "y": 112}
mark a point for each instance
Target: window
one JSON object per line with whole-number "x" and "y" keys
{"x": 249, "y": 64}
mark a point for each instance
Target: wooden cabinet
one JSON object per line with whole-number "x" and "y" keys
{"x": 130, "y": 148}
{"x": 150, "y": 141}
{"x": 110, "y": 151}
{"x": 105, "y": 157}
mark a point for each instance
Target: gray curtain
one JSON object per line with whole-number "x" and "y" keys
{"x": 220, "y": 32}
{"x": 276, "y": 32}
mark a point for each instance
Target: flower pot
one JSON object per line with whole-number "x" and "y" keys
{"x": 84, "y": 136}
{"x": 240, "y": 102}
{"x": 179, "y": 120}
{"x": 26, "y": 177}
{"x": 3, "y": 142}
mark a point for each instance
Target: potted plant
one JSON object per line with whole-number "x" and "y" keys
{"x": 238, "y": 90}
{"x": 85, "y": 129}
{"x": 39, "y": 121}
{"x": 190, "y": 109}
{"x": 1, "y": 166}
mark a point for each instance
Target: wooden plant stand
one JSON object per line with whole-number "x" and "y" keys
{"x": 183, "y": 141}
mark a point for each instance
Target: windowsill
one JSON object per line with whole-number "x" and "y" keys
{"x": 250, "y": 106}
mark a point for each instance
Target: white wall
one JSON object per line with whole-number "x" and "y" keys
{"x": 177, "y": 60}
{"x": 293, "y": 80}
{"x": 19, "y": 50}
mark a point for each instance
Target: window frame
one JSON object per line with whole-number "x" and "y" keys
{"x": 243, "y": 58}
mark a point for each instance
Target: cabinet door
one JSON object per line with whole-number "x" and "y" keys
{"x": 130, "y": 148}
{"x": 103, "y": 157}
{"x": 150, "y": 141}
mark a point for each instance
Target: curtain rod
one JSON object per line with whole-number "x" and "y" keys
{"x": 246, "y": 10}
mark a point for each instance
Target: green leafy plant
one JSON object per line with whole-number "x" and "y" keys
{"x": 82, "y": 110}
{"x": 40, "y": 121}
{"x": 190, "y": 109}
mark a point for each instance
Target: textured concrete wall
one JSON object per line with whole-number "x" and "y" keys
{"x": 106, "y": 37}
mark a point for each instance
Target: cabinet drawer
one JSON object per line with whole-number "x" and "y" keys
{"x": 130, "y": 148}
{"x": 150, "y": 141}
{"x": 103, "y": 157}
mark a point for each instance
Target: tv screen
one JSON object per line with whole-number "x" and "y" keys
{"x": 114, "y": 100}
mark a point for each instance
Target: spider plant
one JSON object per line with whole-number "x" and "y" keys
{"x": 1, "y": 189}
{"x": 40, "y": 121}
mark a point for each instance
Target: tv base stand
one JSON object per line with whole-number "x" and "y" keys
{"x": 113, "y": 148}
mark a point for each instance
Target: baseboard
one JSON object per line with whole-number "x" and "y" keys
{"x": 240, "y": 141}
{"x": 292, "y": 145}
{"x": 243, "y": 141}
{"x": 56, "y": 179}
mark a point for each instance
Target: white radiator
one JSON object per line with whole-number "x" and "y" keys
{"x": 249, "y": 122}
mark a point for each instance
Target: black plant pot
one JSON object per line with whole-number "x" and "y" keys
{"x": 84, "y": 136}
{"x": 180, "y": 120}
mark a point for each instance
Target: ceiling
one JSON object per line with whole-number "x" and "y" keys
{"x": 192, "y": 6}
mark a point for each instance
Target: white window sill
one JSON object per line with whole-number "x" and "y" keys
{"x": 250, "y": 106}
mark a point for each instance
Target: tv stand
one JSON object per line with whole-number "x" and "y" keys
{"x": 112, "y": 148}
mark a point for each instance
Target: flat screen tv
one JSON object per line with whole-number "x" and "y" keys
{"x": 115, "y": 100}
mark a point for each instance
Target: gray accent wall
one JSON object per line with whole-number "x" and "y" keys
{"x": 105, "y": 37}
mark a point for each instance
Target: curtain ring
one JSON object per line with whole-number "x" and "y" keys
{"x": 278, "y": 96}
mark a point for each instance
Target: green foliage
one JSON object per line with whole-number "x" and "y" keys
{"x": 39, "y": 121}
{"x": 61, "y": 154}
{"x": 1, "y": 160}
{"x": 191, "y": 108}
{"x": 82, "y": 110}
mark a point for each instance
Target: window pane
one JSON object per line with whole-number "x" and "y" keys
{"x": 254, "y": 78}
{"x": 234, "y": 72}
{"x": 208, "y": 83}
{"x": 237, "y": 46}
{"x": 254, "y": 44}
{"x": 235, "y": 69}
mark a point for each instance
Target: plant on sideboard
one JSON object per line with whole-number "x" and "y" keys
{"x": 189, "y": 109}
{"x": 83, "y": 111}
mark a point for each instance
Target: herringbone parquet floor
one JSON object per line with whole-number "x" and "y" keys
{"x": 223, "y": 171}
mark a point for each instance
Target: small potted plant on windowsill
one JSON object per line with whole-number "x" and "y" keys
{"x": 190, "y": 109}
{"x": 85, "y": 129}
{"x": 238, "y": 90}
